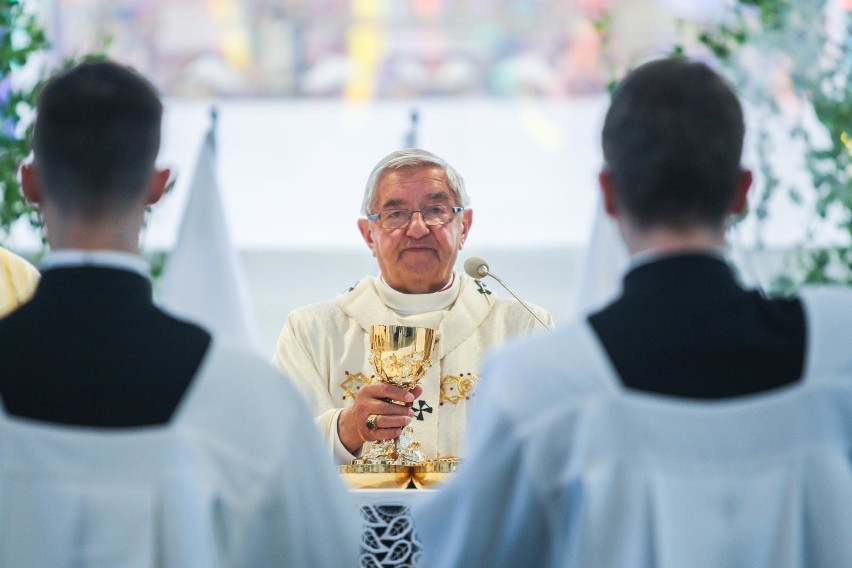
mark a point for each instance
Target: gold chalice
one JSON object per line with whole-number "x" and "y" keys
{"x": 401, "y": 356}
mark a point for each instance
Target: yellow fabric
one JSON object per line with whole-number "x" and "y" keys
{"x": 18, "y": 279}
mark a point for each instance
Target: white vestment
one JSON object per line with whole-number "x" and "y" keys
{"x": 324, "y": 349}
{"x": 18, "y": 280}
{"x": 568, "y": 468}
{"x": 238, "y": 477}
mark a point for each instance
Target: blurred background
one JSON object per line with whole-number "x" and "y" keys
{"x": 309, "y": 95}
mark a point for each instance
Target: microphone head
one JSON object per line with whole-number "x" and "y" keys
{"x": 476, "y": 267}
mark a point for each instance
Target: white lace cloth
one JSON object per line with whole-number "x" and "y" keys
{"x": 388, "y": 537}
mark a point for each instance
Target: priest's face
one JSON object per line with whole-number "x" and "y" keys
{"x": 417, "y": 258}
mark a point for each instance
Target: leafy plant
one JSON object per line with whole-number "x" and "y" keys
{"x": 22, "y": 43}
{"x": 818, "y": 62}
{"x": 21, "y": 37}
{"x": 814, "y": 57}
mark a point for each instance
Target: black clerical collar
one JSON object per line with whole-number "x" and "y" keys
{"x": 695, "y": 270}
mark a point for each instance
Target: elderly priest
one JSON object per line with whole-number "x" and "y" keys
{"x": 416, "y": 220}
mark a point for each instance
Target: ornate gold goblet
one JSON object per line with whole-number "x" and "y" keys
{"x": 401, "y": 356}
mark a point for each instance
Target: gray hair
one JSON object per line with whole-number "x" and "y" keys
{"x": 413, "y": 158}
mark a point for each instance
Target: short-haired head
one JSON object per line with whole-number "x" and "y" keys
{"x": 412, "y": 158}
{"x": 96, "y": 138}
{"x": 672, "y": 142}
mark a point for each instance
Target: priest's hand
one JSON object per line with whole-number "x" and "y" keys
{"x": 380, "y": 412}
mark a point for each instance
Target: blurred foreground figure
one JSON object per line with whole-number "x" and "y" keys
{"x": 127, "y": 437}
{"x": 689, "y": 423}
{"x": 18, "y": 279}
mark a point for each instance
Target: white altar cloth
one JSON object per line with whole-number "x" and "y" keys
{"x": 389, "y": 538}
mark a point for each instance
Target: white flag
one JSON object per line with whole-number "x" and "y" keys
{"x": 203, "y": 279}
{"x": 603, "y": 265}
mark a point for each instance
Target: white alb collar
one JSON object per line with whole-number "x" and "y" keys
{"x": 413, "y": 304}
{"x": 101, "y": 258}
{"x": 652, "y": 255}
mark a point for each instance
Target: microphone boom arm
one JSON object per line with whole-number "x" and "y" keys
{"x": 518, "y": 298}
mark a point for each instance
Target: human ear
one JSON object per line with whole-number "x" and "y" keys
{"x": 367, "y": 234}
{"x": 157, "y": 186}
{"x": 740, "y": 200}
{"x": 30, "y": 184}
{"x": 608, "y": 193}
{"x": 467, "y": 221}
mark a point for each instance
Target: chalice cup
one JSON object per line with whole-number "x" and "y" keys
{"x": 401, "y": 356}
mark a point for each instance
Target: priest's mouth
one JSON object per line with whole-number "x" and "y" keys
{"x": 419, "y": 249}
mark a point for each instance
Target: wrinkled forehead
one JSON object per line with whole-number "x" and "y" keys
{"x": 411, "y": 186}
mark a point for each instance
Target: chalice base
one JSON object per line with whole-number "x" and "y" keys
{"x": 403, "y": 450}
{"x": 381, "y": 451}
{"x": 408, "y": 448}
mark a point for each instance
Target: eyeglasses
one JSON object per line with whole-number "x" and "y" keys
{"x": 432, "y": 215}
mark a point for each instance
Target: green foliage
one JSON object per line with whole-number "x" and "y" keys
{"x": 796, "y": 35}
{"x": 754, "y": 38}
{"x": 603, "y": 27}
{"x": 21, "y": 37}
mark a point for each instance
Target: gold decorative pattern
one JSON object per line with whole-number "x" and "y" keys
{"x": 353, "y": 384}
{"x": 456, "y": 388}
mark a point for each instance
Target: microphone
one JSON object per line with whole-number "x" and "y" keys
{"x": 477, "y": 268}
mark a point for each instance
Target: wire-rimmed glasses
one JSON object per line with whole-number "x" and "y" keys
{"x": 399, "y": 218}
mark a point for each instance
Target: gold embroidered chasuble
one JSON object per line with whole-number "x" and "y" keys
{"x": 18, "y": 279}
{"x": 324, "y": 348}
